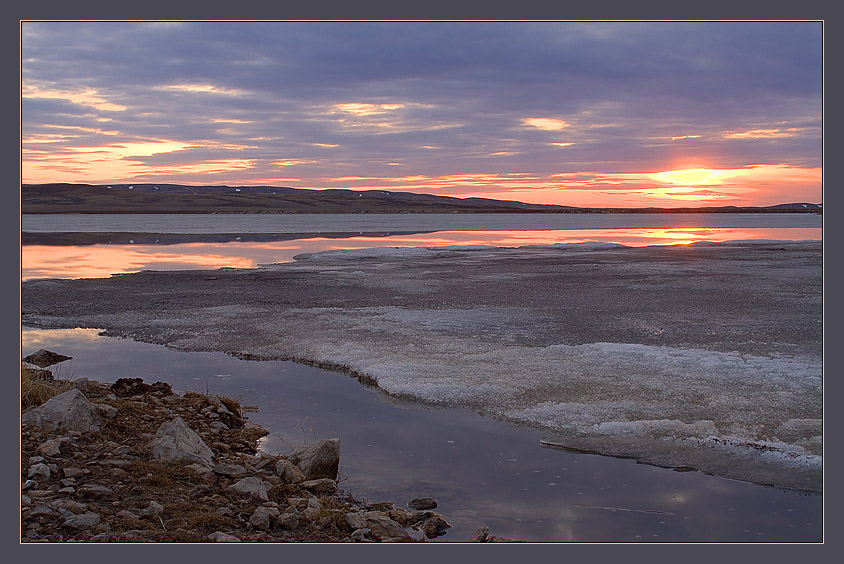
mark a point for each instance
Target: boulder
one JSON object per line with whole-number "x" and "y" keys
{"x": 319, "y": 460}
{"x": 289, "y": 472}
{"x": 381, "y": 527}
{"x": 44, "y": 358}
{"x": 175, "y": 441}
{"x": 251, "y": 486}
{"x": 435, "y": 526}
{"x": 70, "y": 411}
{"x": 422, "y": 503}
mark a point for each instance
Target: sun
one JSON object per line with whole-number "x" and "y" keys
{"x": 695, "y": 176}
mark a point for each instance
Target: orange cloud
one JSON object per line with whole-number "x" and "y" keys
{"x": 88, "y": 97}
{"x": 762, "y": 133}
{"x": 549, "y": 124}
{"x": 204, "y": 89}
{"x": 360, "y": 109}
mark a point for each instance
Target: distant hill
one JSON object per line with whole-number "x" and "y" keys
{"x": 176, "y": 198}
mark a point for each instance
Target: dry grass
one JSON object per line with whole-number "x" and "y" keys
{"x": 199, "y": 518}
{"x": 37, "y": 386}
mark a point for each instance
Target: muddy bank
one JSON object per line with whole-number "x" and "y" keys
{"x": 706, "y": 356}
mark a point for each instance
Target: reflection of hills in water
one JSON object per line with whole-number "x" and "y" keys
{"x": 111, "y": 238}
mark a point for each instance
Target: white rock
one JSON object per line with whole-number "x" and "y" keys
{"x": 68, "y": 411}
{"x": 175, "y": 441}
{"x": 319, "y": 460}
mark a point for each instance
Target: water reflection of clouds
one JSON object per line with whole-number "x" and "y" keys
{"x": 97, "y": 261}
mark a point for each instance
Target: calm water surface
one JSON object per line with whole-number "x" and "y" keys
{"x": 322, "y": 223}
{"x": 300, "y": 233}
{"x": 482, "y": 472}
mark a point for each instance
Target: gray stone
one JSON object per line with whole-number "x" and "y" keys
{"x": 435, "y": 526}
{"x": 26, "y": 501}
{"x": 320, "y": 486}
{"x": 154, "y": 509}
{"x": 362, "y": 535}
{"x": 83, "y": 521}
{"x": 81, "y": 384}
{"x": 422, "y": 503}
{"x": 106, "y": 410}
{"x": 68, "y": 411}
{"x": 39, "y": 470}
{"x": 53, "y": 447}
{"x": 219, "y": 536}
{"x": 205, "y": 474}
{"x": 175, "y": 441}
{"x": 71, "y": 505}
{"x": 73, "y": 472}
{"x": 381, "y": 527}
{"x": 263, "y": 517}
{"x": 251, "y": 486}
{"x": 401, "y": 515}
{"x": 41, "y": 511}
{"x": 94, "y": 490}
{"x": 313, "y": 511}
{"x": 289, "y": 472}
{"x": 44, "y": 358}
{"x": 289, "y": 519}
{"x": 319, "y": 460}
{"x": 230, "y": 470}
{"x": 125, "y": 514}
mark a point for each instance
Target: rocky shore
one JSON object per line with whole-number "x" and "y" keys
{"x": 135, "y": 462}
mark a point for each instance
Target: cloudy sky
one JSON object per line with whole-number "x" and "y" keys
{"x": 592, "y": 114}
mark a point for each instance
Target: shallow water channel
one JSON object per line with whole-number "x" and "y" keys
{"x": 481, "y": 471}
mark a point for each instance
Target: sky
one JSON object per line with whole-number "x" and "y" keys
{"x": 575, "y": 113}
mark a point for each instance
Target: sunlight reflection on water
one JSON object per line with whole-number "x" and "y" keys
{"x": 102, "y": 260}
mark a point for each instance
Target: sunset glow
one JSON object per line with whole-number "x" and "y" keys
{"x": 103, "y": 260}
{"x": 317, "y": 105}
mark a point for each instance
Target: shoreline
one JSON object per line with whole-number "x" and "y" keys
{"x": 109, "y": 482}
